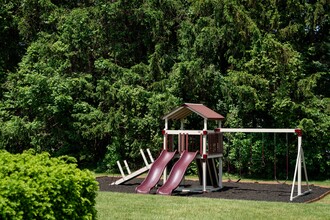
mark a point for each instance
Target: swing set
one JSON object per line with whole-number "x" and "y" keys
{"x": 262, "y": 161}
{"x": 300, "y": 161}
{"x": 205, "y": 146}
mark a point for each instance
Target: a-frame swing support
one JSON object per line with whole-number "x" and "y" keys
{"x": 300, "y": 155}
{"x": 300, "y": 160}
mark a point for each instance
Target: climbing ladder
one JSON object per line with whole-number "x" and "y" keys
{"x": 136, "y": 173}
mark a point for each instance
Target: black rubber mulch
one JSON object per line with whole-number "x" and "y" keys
{"x": 230, "y": 190}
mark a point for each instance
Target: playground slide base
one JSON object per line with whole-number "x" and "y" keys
{"x": 177, "y": 173}
{"x": 155, "y": 172}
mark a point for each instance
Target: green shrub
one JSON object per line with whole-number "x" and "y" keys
{"x": 36, "y": 186}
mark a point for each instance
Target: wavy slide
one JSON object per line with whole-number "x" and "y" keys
{"x": 177, "y": 173}
{"x": 155, "y": 172}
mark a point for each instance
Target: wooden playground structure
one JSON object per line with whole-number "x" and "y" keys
{"x": 205, "y": 147}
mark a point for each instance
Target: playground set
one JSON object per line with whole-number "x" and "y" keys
{"x": 203, "y": 146}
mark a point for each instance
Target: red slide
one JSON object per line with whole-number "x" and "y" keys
{"x": 177, "y": 173}
{"x": 155, "y": 172}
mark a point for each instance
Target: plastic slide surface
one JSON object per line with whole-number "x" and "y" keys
{"x": 177, "y": 173}
{"x": 155, "y": 172}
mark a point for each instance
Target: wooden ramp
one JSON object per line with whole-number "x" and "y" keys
{"x": 132, "y": 175}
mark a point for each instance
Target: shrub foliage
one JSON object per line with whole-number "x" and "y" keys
{"x": 36, "y": 186}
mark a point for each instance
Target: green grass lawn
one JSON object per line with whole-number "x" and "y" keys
{"x": 112, "y": 205}
{"x": 325, "y": 200}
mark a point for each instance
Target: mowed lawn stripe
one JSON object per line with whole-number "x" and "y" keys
{"x": 112, "y": 205}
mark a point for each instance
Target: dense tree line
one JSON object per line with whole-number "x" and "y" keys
{"x": 92, "y": 78}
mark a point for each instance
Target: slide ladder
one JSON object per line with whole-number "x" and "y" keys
{"x": 135, "y": 173}
{"x": 177, "y": 173}
{"x": 155, "y": 172}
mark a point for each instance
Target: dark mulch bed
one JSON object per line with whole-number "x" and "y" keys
{"x": 231, "y": 190}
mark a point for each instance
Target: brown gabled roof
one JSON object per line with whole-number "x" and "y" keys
{"x": 186, "y": 109}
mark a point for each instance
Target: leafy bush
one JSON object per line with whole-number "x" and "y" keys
{"x": 36, "y": 186}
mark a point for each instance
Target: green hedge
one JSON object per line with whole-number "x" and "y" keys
{"x": 36, "y": 186}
